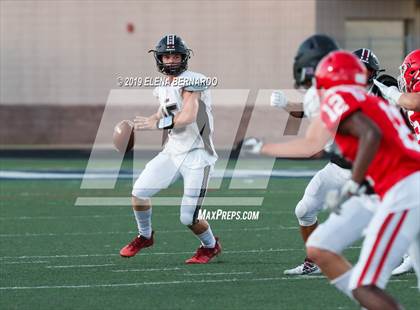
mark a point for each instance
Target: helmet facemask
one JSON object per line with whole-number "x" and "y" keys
{"x": 306, "y": 75}
{"x": 373, "y": 75}
{"x": 402, "y": 84}
{"x": 408, "y": 78}
{"x": 171, "y": 69}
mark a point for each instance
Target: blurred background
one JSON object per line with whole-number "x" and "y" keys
{"x": 60, "y": 60}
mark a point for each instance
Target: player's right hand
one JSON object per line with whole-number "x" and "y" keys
{"x": 144, "y": 123}
{"x": 332, "y": 201}
{"x": 278, "y": 99}
{"x": 391, "y": 93}
{"x": 335, "y": 199}
{"x": 252, "y": 145}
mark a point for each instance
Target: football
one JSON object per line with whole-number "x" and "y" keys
{"x": 123, "y": 137}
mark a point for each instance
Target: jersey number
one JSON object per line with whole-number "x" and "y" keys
{"x": 335, "y": 108}
{"x": 397, "y": 121}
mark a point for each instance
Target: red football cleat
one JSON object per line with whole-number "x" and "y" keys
{"x": 136, "y": 245}
{"x": 204, "y": 255}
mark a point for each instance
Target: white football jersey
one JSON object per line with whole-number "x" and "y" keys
{"x": 311, "y": 103}
{"x": 197, "y": 135}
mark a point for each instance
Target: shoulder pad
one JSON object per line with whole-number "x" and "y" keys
{"x": 196, "y": 88}
{"x": 193, "y": 81}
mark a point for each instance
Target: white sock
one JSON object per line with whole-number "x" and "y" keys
{"x": 144, "y": 222}
{"x": 342, "y": 283}
{"x": 207, "y": 239}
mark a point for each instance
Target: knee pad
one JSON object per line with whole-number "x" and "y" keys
{"x": 142, "y": 193}
{"x": 189, "y": 211}
{"x": 306, "y": 211}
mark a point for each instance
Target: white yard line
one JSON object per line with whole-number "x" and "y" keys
{"x": 66, "y": 217}
{"x": 67, "y": 234}
{"x": 58, "y": 256}
{"x": 32, "y": 262}
{"x": 26, "y": 218}
{"x": 79, "y": 266}
{"x": 258, "y": 251}
{"x": 144, "y": 254}
{"x": 106, "y": 174}
{"x": 177, "y": 269}
{"x": 135, "y": 232}
{"x": 147, "y": 269}
{"x": 3, "y": 258}
{"x": 100, "y": 216}
{"x": 215, "y": 273}
{"x": 170, "y": 201}
{"x": 204, "y": 281}
{"x": 155, "y": 283}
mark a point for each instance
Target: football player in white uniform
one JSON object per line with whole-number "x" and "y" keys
{"x": 332, "y": 177}
{"x": 335, "y": 173}
{"x": 185, "y": 111}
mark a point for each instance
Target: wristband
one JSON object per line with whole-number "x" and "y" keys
{"x": 166, "y": 122}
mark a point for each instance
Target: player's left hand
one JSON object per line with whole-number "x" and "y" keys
{"x": 252, "y": 145}
{"x": 335, "y": 199}
{"x": 144, "y": 123}
{"x": 390, "y": 93}
{"x": 278, "y": 99}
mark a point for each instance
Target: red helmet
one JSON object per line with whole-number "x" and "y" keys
{"x": 409, "y": 79}
{"x": 340, "y": 68}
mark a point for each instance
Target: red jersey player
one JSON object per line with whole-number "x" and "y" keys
{"x": 409, "y": 83}
{"x": 373, "y": 135}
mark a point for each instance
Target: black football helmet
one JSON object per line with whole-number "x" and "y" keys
{"x": 309, "y": 54}
{"x": 371, "y": 62}
{"x": 171, "y": 44}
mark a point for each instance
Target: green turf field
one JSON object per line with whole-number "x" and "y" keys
{"x": 58, "y": 256}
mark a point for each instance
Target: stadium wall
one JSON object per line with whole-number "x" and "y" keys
{"x": 379, "y": 22}
{"x": 60, "y": 59}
